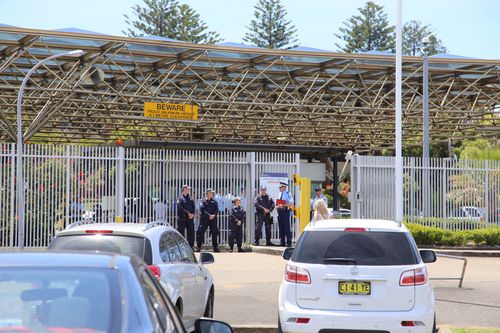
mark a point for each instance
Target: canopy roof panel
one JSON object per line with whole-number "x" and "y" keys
{"x": 246, "y": 95}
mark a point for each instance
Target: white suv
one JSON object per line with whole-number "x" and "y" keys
{"x": 187, "y": 282}
{"x": 360, "y": 275}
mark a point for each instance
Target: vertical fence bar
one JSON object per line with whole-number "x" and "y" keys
{"x": 120, "y": 188}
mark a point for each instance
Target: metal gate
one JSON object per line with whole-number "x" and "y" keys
{"x": 448, "y": 193}
{"x": 107, "y": 182}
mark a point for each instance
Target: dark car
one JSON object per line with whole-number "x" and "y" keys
{"x": 86, "y": 292}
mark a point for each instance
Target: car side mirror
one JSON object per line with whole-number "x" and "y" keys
{"x": 206, "y": 325}
{"x": 206, "y": 258}
{"x": 428, "y": 256}
{"x": 287, "y": 254}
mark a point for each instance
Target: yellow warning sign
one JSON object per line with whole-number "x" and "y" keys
{"x": 171, "y": 111}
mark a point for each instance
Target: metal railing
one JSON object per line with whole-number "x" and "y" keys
{"x": 461, "y": 277}
{"x": 65, "y": 184}
{"x": 439, "y": 192}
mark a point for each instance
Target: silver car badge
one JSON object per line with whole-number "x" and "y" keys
{"x": 355, "y": 270}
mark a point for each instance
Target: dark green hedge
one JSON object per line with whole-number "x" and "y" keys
{"x": 440, "y": 237}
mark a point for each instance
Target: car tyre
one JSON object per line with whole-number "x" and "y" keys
{"x": 209, "y": 307}
{"x": 434, "y": 326}
{"x": 279, "y": 326}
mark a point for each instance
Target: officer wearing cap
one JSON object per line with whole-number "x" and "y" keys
{"x": 284, "y": 205}
{"x": 264, "y": 205}
{"x": 238, "y": 217}
{"x": 209, "y": 210}
{"x": 185, "y": 214}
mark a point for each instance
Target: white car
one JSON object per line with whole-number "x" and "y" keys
{"x": 360, "y": 275}
{"x": 187, "y": 282}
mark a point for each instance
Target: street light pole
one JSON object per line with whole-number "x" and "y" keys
{"x": 398, "y": 170}
{"x": 19, "y": 159}
{"x": 425, "y": 126}
{"x": 425, "y": 88}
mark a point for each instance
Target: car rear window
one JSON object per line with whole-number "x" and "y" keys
{"x": 371, "y": 248}
{"x": 121, "y": 244}
{"x": 60, "y": 300}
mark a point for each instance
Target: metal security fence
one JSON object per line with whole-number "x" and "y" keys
{"x": 65, "y": 183}
{"x": 448, "y": 193}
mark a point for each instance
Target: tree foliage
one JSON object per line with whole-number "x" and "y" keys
{"x": 367, "y": 31}
{"x": 270, "y": 28}
{"x": 413, "y": 33}
{"x": 168, "y": 18}
{"x": 480, "y": 149}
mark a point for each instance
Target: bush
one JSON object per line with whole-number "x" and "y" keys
{"x": 441, "y": 237}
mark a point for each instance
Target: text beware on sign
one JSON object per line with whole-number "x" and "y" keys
{"x": 171, "y": 111}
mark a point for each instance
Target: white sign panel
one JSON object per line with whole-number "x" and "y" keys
{"x": 272, "y": 181}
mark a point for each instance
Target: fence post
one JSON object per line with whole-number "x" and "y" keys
{"x": 251, "y": 196}
{"x": 12, "y": 195}
{"x": 120, "y": 188}
{"x": 486, "y": 194}
{"x": 68, "y": 176}
{"x": 445, "y": 187}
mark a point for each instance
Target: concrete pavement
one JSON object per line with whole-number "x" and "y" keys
{"x": 247, "y": 284}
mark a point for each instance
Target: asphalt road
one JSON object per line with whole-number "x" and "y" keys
{"x": 246, "y": 289}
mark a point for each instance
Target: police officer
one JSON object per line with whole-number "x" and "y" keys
{"x": 237, "y": 217}
{"x": 209, "y": 211}
{"x": 284, "y": 205}
{"x": 185, "y": 214}
{"x": 264, "y": 205}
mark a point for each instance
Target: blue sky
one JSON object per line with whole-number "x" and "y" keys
{"x": 467, "y": 27}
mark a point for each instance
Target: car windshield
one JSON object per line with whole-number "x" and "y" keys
{"x": 128, "y": 245}
{"x": 59, "y": 299}
{"x": 360, "y": 248}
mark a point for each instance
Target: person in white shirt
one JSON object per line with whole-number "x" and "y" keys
{"x": 320, "y": 211}
{"x": 160, "y": 208}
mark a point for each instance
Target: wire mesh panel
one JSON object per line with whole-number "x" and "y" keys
{"x": 447, "y": 193}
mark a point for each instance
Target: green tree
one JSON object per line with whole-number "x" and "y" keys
{"x": 168, "y": 18}
{"x": 480, "y": 149}
{"x": 370, "y": 30}
{"x": 270, "y": 28}
{"x": 413, "y": 33}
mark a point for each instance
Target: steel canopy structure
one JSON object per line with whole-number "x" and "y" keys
{"x": 247, "y": 96}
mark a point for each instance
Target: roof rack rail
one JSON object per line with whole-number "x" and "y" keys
{"x": 150, "y": 225}
{"x": 77, "y": 223}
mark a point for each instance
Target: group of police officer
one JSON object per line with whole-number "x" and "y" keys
{"x": 209, "y": 210}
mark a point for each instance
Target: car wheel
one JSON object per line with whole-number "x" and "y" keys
{"x": 279, "y": 326}
{"x": 434, "y": 326}
{"x": 209, "y": 307}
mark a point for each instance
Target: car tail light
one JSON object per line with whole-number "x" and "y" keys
{"x": 302, "y": 320}
{"x": 99, "y": 231}
{"x": 413, "y": 277}
{"x": 355, "y": 229}
{"x": 155, "y": 270}
{"x": 407, "y": 323}
{"x": 297, "y": 275}
{"x": 298, "y": 320}
{"x": 411, "y": 323}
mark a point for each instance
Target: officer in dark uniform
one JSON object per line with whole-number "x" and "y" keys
{"x": 284, "y": 203}
{"x": 209, "y": 210}
{"x": 185, "y": 214}
{"x": 238, "y": 217}
{"x": 264, "y": 205}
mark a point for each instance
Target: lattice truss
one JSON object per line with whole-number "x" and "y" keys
{"x": 246, "y": 95}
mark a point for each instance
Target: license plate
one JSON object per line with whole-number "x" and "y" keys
{"x": 355, "y": 288}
